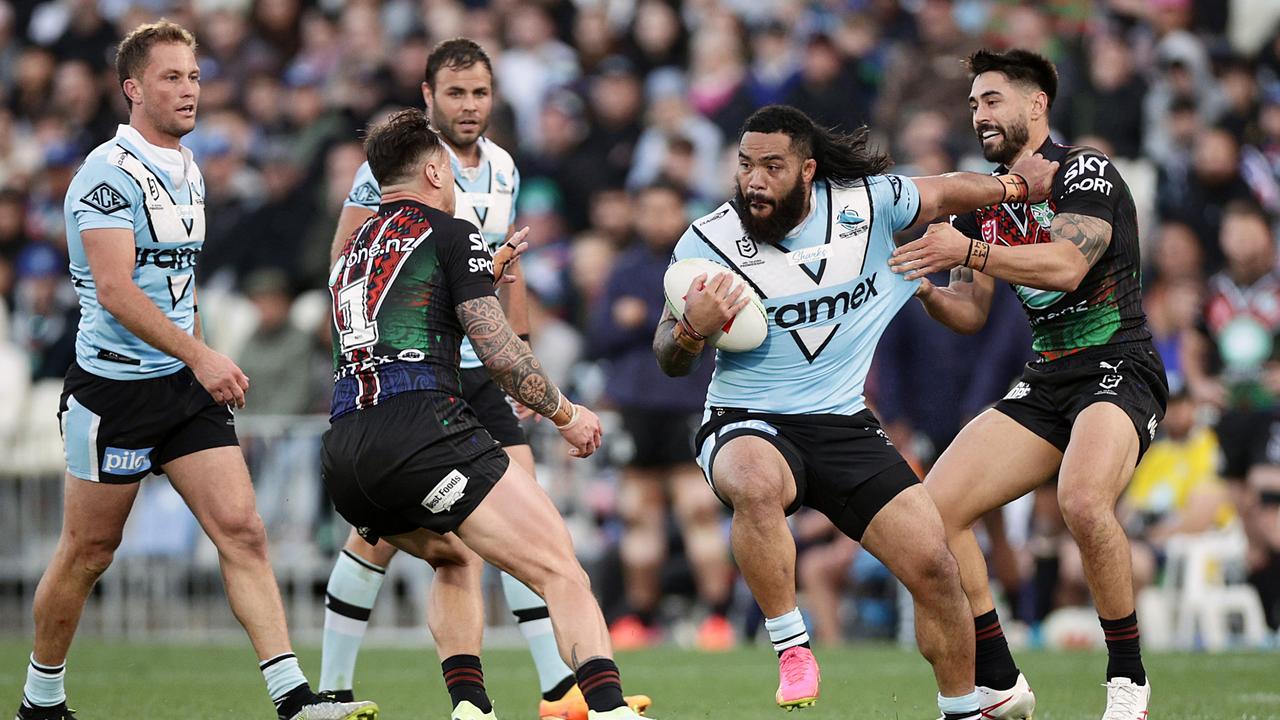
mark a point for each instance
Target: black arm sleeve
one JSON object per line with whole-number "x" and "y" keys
{"x": 466, "y": 262}
{"x": 1088, "y": 184}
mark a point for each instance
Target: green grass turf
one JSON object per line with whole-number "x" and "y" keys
{"x": 182, "y": 682}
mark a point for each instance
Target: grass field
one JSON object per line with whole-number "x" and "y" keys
{"x": 176, "y": 682}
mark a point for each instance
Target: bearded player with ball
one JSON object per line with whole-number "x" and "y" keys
{"x": 803, "y": 294}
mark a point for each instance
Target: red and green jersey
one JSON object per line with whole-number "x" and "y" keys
{"x": 394, "y": 290}
{"x": 1106, "y": 308}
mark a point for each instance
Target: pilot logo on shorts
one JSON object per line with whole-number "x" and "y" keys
{"x": 449, "y": 491}
{"x": 119, "y": 461}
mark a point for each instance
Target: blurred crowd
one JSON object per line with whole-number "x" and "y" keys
{"x": 623, "y": 117}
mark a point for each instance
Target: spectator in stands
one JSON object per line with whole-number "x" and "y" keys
{"x": 1110, "y": 104}
{"x": 276, "y": 355}
{"x": 1214, "y": 183}
{"x": 831, "y": 90}
{"x": 671, "y": 120}
{"x": 659, "y": 416}
{"x": 45, "y": 312}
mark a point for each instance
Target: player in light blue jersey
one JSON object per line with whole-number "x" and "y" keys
{"x": 458, "y": 92}
{"x": 811, "y": 230}
{"x": 145, "y": 393}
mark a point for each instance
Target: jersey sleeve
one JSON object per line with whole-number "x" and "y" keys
{"x": 967, "y": 224}
{"x": 105, "y": 197}
{"x": 467, "y": 264}
{"x": 896, "y": 199}
{"x": 1088, "y": 184}
{"x": 515, "y": 195}
{"x": 691, "y": 245}
{"x": 365, "y": 191}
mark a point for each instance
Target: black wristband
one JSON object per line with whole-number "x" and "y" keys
{"x": 523, "y": 336}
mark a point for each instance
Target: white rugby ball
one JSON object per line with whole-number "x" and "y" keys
{"x": 746, "y": 331}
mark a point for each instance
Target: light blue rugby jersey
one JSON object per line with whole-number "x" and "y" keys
{"x": 476, "y": 188}
{"x": 129, "y": 184}
{"x": 828, "y": 292}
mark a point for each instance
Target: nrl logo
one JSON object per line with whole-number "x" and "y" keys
{"x": 746, "y": 246}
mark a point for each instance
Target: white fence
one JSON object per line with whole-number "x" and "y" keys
{"x": 165, "y": 582}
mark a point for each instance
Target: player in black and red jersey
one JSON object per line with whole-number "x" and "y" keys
{"x": 1087, "y": 408}
{"x": 406, "y": 459}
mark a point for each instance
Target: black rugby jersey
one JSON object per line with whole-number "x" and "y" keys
{"x": 1106, "y": 308}
{"x": 394, "y": 290}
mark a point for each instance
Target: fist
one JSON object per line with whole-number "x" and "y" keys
{"x": 1038, "y": 172}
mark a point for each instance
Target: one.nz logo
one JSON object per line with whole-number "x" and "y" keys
{"x": 105, "y": 199}
{"x": 366, "y": 194}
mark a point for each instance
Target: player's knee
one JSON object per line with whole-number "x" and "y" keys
{"x": 93, "y": 555}
{"x": 1085, "y": 513}
{"x": 242, "y": 535}
{"x": 754, "y": 499}
{"x": 935, "y": 573}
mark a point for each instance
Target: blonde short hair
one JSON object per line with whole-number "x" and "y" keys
{"x": 135, "y": 48}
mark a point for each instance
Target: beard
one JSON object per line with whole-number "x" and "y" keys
{"x": 1013, "y": 138}
{"x": 787, "y": 212}
{"x": 451, "y": 134}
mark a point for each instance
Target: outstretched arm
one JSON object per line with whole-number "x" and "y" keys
{"x": 1029, "y": 180}
{"x": 1079, "y": 241}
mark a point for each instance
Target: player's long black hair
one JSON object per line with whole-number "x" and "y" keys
{"x": 843, "y": 159}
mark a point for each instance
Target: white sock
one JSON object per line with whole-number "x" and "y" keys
{"x": 786, "y": 630}
{"x": 965, "y": 706}
{"x": 282, "y": 675}
{"x": 353, "y": 587}
{"x": 44, "y": 684}
{"x": 535, "y": 624}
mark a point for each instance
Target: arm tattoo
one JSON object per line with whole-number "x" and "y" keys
{"x": 507, "y": 357}
{"x": 961, "y": 274}
{"x": 1090, "y": 235}
{"x": 674, "y": 360}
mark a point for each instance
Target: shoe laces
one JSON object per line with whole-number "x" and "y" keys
{"x": 1124, "y": 701}
{"x": 794, "y": 668}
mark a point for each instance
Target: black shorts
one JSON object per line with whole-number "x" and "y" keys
{"x": 118, "y": 431}
{"x": 844, "y": 465}
{"x": 492, "y": 407}
{"x": 1247, "y": 437}
{"x": 1050, "y": 395}
{"x": 659, "y": 438}
{"x": 415, "y": 460}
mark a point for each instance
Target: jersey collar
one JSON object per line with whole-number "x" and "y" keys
{"x": 174, "y": 163}
{"x": 470, "y": 173}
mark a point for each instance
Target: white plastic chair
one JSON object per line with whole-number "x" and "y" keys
{"x": 1206, "y": 600}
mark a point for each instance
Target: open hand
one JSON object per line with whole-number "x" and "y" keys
{"x": 508, "y": 254}
{"x": 942, "y": 248}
